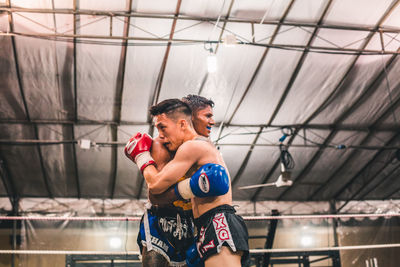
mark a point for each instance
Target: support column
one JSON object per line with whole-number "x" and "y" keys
{"x": 270, "y": 238}
{"x": 336, "y": 255}
{"x": 15, "y": 204}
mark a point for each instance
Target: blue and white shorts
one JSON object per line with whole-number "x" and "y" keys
{"x": 168, "y": 231}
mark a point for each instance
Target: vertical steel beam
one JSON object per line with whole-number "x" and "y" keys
{"x": 335, "y": 256}
{"x": 7, "y": 180}
{"x": 156, "y": 92}
{"x": 66, "y": 95}
{"x": 21, "y": 90}
{"x": 118, "y": 102}
{"x": 14, "y": 229}
{"x": 75, "y": 85}
{"x": 270, "y": 238}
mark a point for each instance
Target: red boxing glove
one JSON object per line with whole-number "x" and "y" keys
{"x": 138, "y": 150}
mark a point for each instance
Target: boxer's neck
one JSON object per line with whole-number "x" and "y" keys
{"x": 190, "y": 134}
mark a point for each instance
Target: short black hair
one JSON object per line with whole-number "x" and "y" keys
{"x": 197, "y": 102}
{"x": 172, "y": 107}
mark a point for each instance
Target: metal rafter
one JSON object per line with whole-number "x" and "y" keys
{"x": 387, "y": 176}
{"x": 69, "y": 129}
{"x": 224, "y": 25}
{"x": 75, "y": 84}
{"x": 205, "y": 19}
{"x": 347, "y": 127}
{"x": 364, "y": 168}
{"x": 169, "y": 42}
{"x": 156, "y": 93}
{"x": 252, "y": 79}
{"x": 365, "y": 140}
{"x": 341, "y": 117}
{"x": 118, "y": 102}
{"x": 203, "y": 81}
{"x": 392, "y": 193}
{"x": 27, "y": 142}
{"x": 7, "y": 180}
{"x": 290, "y": 84}
{"x": 21, "y": 90}
{"x": 157, "y": 89}
{"x": 299, "y": 64}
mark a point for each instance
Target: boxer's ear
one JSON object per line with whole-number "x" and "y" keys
{"x": 182, "y": 123}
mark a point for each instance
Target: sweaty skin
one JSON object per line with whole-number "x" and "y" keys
{"x": 202, "y": 122}
{"x": 179, "y": 137}
{"x": 190, "y": 154}
{"x": 161, "y": 156}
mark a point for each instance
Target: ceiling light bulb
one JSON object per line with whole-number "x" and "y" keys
{"x": 115, "y": 242}
{"x": 212, "y": 63}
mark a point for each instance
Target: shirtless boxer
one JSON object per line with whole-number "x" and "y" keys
{"x": 164, "y": 245}
{"x": 223, "y": 237}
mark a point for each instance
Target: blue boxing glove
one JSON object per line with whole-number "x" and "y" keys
{"x": 193, "y": 258}
{"x": 209, "y": 181}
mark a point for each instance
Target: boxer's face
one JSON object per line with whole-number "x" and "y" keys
{"x": 170, "y": 132}
{"x": 203, "y": 121}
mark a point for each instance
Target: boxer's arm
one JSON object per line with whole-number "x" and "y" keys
{"x": 165, "y": 198}
{"x": 161, "y": 156}
{"x": 159, "y": 153}
{"x": 185, "y": 157}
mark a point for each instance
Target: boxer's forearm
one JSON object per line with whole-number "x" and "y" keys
{"x": 157, "y": 182}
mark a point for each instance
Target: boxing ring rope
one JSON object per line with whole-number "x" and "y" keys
{"x": 246, "y": 218}
{"x": 252, "y": 251}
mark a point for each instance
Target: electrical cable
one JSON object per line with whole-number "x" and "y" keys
{"x": 388, "y": 87}
{"x": 285, "y": 157}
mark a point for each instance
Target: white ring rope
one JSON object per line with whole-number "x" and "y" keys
{"x": 61, "y": 218}
{"x": 252, "y": 251}
{"x": 69, "y": 252}
{"x": 247, "y": 218}
{"x": 395, "y": 245}
{"x": 319, "y": 216}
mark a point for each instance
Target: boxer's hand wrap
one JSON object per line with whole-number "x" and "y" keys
{"x": 209, "y": 181}
{"x": 192, "y": 257}
{"x": 138, "y": 150}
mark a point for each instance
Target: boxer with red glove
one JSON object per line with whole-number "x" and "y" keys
{"x": 138, "y": 150}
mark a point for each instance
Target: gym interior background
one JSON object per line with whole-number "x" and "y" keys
{"x": 312, "y": 85}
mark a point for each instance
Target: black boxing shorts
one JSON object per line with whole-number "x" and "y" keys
{"x": 219, "y": 227}
{"x": 168, "y": 231}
